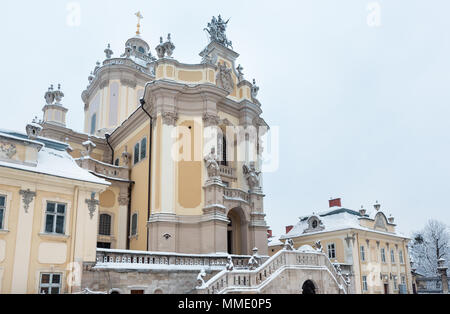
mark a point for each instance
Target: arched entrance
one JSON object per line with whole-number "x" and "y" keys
{"x": 309, "y": 287}
{"x": 236, "y": 232}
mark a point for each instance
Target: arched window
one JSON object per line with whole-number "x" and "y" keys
{"x": 224, "y": 151}
{"x": 104, "y": 227}
{"x": 134, "y": 222}
{"x": 93, "y": 123}
{"x": 141, "y": 50}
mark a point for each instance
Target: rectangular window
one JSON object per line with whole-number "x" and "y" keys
{"x": 331, "y": 251}
{"x": 134, "y": 222}
{"x": 364, "y": 280}
{"x": 2, "y": 211}
{"x": 143, "y": 148}
{"x": 403, "y": 278}
{"x": 55, "y": 216}
{"x": 400, "y": 255}
{"x": 383, "y": 255}
{"x": 103, "y": 245}
{"x": 136, "y": 153}
{"x": 50, "y": 284}
{"x": 392, "y": 256}
{"x": 140, "y": 150}
{"x": 363, "y": 253}
{"x": 395, "y": 283}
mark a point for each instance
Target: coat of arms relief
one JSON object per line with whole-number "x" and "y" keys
{"x": 224, "y": 78}
{"x": 7, "y": 150}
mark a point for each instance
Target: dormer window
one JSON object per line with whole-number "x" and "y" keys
{"x": 314, "y": 225}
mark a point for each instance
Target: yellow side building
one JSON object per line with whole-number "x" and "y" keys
{"x": 365, "y": 245}
{"x": 48, "y": 214}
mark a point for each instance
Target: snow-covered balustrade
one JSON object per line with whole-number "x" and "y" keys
{"x": 252, "y": 280}
{"x": 128, "y": 63}
{"x": 236, "y": 194}
{"x": 228, "y": 172}
{"x": 137, "y": 259}
{"x": 102, "y": 169}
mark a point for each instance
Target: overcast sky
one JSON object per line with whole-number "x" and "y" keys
{"x": 362, "y": 99}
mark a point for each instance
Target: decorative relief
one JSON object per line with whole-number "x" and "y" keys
{"x": 170, "y": 118}
{"x": 129, "y": 83}
{"x": 379, "y": 222}
{"x": 27, "y": 198}
{"x": 207, "y": 58}
{"x": 224, "y": 79}
{"x": 210, "y": 120}
{"x": 123, "y": 200}
{"x": 104, "y": 84}
{"x": 92, "y": 205}
{"x": 7, "y": 150}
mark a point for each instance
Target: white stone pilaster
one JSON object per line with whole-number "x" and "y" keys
{"x": 23, "y": 245}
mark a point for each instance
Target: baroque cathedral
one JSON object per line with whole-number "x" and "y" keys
{"x": 161, "y": 192}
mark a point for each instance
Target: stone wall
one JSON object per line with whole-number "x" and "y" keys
{"x": 151, "y": 281}
{"x": 291, "y": 281}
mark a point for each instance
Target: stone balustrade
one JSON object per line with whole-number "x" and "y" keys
{"x": 228, "y": 172}
{"x": 127, "y": 62}
{"x": 104, "y": 169}
{"x": 236, "y": 194}
{"x": 134, "y": 259}
{"x": 252, "y": 279}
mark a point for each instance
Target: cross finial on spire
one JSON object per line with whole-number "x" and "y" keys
{"x": 140, "y": 17}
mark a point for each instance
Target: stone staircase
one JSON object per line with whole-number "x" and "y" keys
{"x": 283, "y": 273}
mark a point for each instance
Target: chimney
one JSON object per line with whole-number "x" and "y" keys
{"x": 335, "y": 203}
{"x": 289, "y": 228}
{"x": 269, "y": 233}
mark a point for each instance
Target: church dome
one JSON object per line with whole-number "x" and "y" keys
{"x": 138, "y": 44}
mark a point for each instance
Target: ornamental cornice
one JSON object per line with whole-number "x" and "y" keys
{"x": 169, "y": 118}
{"x": 210, "y": 120}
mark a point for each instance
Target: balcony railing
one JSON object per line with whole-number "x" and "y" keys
{"x": 251, "y": 280}
{"x": 228, "y": 172}
{"x": 236, "y": 194}
{"x": 104, "y": 169}
{"x": 138, "y": 260}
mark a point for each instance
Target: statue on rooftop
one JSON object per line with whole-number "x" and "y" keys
{"x": 216, "y": 30}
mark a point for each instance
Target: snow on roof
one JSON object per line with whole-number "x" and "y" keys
{"x": 275, "y": 241}
{"x": 333, "y": 220}
{"x": 89, "y": 142}
{"x": 59, "y": 164}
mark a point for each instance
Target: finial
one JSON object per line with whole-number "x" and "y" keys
{"x": 240, "y": 73}
{"x": 377, "y": 206}
{"x": 140, "y": 17}
{"x": 255, "y": 89}
{"x": 108, "y": 52}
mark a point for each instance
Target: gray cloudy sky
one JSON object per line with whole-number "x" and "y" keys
{"x": 363, "y": 109}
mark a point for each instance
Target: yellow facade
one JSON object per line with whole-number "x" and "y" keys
{"x": 358, "y": 248}
{"x": 27, "y": 249}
